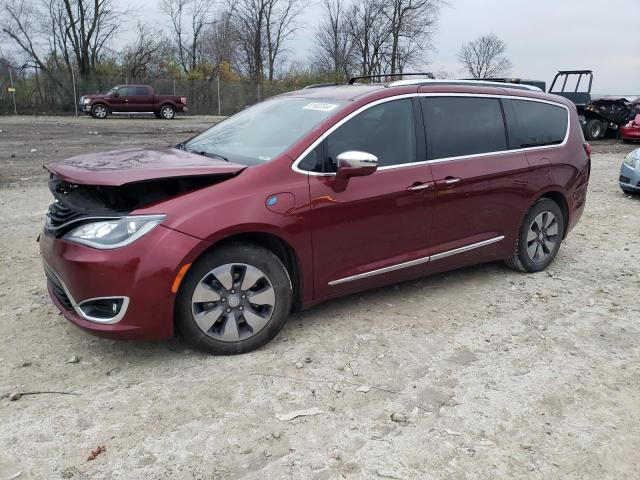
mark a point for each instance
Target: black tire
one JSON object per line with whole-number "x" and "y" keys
{"x": 167, "y": 112}
{"x": 594, "y": 129}
{"x": 522, "y": 259}
{"x": 99, "y": 111}
{"x": 233, "y": 253}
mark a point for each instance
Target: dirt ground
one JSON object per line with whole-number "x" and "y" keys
{"x": 488, "y": 373}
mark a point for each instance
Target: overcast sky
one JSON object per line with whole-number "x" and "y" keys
{"x": 542, "y": 37}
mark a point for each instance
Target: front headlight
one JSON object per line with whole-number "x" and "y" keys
{"x": 108, "y": 234}
{"x": 86, "y": 101}
{"x": 630, "y": 160}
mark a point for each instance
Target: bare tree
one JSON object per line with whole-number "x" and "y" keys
{"x": 263, "y": 27}
{"x": 143, "y": 57}
{"x": 369, "y": 29}
{"x": 412, "y": 23}
{"x": 280, "y": 24}
{"x": 220, "y": 42}
{"x": 188, "y": 20}
{"x": 334, "y": 47}
{"x": 484, "y": 57}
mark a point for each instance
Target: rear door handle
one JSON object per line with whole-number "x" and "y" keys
{"x": 447, "y": 182}
{"x": 419, "y": 187}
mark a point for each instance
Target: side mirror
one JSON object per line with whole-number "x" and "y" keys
{"x": 116, "y": 94}
{"x": 353, "y": 163}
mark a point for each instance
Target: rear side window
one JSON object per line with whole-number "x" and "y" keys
{"x": 386, "y": 131}
{"x": 540, "y": 124}
{"x": 141, "y": 91}
{"x": 458, "y": 126}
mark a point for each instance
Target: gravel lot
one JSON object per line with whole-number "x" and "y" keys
{"x": 486, "y": 372}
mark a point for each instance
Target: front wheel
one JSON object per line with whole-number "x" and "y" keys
{"x": 539, "y": 237}
{"x": 99, "y": 111}
{"x": 234, "y": 299}
{"x": 167, "y": 112}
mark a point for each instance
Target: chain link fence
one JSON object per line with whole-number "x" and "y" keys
{"x": 58, "y": 94}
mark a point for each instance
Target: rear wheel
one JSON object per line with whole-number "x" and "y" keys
{"x": 234, "y": 299}
{"x": 539, "y": 237}
{"x": 99, "y": 111}
{"x": 167, "y": 112}
{"x": 594, "y": 129}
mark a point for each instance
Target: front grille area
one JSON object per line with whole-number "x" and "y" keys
{"x": 57, "y": 289}
{"x": 624, "y": 179}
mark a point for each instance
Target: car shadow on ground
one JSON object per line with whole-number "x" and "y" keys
{"x": 395, "y": 294}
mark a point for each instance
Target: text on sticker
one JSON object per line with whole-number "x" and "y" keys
{"x": 323, "y": 107}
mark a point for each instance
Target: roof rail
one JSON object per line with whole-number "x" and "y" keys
{"x": 352, "y": 80}
{"x": 471, "y": 83}
{"x": 320, "y": 85}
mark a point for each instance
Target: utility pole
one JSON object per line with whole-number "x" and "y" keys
{"x": 218, "y": 79}
{"x": 13, "y": 92}
{"x": 75, "y": 95}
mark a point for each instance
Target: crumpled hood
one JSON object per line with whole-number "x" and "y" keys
{"x": 120, "y": 167}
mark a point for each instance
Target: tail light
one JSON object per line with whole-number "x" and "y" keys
{"x": 587, "y": 149}
{"x": 183, "y": 100}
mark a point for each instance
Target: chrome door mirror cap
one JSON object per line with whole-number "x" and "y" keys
{"x": 353, "y": 163}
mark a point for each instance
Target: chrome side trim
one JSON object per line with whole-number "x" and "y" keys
{"x": 473, "y": 246}
{"x": 379, "y": 271}
{"x": 76, "y": 306}
{"x": 418, "y": 261}
{"x": 337, "y": 125}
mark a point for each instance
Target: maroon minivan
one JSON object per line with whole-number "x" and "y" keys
{"x": 308, "y": 196}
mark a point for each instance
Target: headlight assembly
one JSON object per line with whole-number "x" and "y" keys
{"x": 630, "y": 160}
{"x": 86, "y": 101}
{"x": 108, "y": 234}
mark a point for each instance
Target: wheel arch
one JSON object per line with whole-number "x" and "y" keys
{"x": 561, "y": 201}
{"x": 280, "y": 247}
{"x": 100, "y": 102}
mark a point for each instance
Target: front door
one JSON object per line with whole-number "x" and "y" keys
{"x": 376, "y": 229}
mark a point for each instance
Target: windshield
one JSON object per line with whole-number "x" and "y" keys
{"x": 262, "y": 132}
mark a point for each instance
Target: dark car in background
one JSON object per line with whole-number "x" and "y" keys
{"x": 308, "y": 196}
{"x": 133, "y": 99}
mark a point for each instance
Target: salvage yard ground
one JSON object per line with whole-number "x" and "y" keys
{"x": 478, "y": 373}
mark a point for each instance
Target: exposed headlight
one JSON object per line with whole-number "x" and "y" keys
{"x": 108, "y": 234}
{"x": 86, "y": 101}
{"x": 630, "y": 160}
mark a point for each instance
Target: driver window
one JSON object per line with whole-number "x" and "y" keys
{"x": 386, "y": 130}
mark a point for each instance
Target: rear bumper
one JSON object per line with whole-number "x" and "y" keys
{"x": 142, "y": 273}
{"x": 630, "y": 133}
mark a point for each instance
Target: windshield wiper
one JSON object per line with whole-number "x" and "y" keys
{"x": 207, "y": 154}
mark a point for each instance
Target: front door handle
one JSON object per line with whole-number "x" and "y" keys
{"x": 419, "y": 187}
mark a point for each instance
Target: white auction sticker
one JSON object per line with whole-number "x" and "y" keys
{"x": 323, "y": 107}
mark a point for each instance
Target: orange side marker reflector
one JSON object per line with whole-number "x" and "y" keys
{"x": 179, "y": 277}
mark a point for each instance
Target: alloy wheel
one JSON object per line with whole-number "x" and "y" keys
{"x": 542, "y": 237}
{"x": 233, "y": 302}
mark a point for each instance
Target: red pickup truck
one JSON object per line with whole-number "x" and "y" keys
{"x": 133, "y": 99}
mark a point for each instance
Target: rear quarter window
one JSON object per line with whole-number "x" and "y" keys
{"x": 540, "y": 124}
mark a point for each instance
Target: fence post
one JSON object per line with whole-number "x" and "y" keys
{"x": 174, "y": 87}
{"x": 75, "y": 94}
{"x": 15, "y": 109}
{"x": 218, "y": 81}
